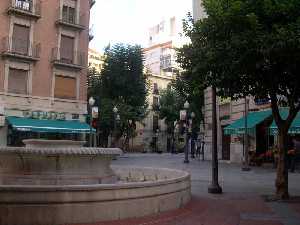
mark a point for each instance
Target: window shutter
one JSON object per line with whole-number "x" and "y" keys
{"x": 65, "y": 87}
{"x": 20, "y": 39}
{"x": 67, "y": 49}
{"x": 17, "y": 81}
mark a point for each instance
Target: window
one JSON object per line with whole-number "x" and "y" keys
{"x": 155, "y": 88}
{"x": 172, "y": 26}
{"x": 17, "y": 81}
{"x": 20, "y": 39}
{"x": 155, "y": 123}
{"x": 65, "y": 87}
{"x": 155, "y": 101}
{"x": 23, "y": 4}
{"x": 68, "y": 14}
{"x": 67, "y": 49}
{"x": 75, "y": 116}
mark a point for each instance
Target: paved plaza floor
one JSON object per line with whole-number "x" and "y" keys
{"x": 242, "y": 201}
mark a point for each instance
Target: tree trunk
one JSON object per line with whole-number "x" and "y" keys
{"x": 282, "y": 191}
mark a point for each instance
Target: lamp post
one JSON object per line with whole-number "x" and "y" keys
{"x": 193, "y": 115}
{"x": 246, "y": 147}
{"x": 115, "y": 111}
{"x": 186, "y": 148}
{"x": 91, "y": 104}
{"x": 129, "y": 134}
{"x": 214, "y": 187}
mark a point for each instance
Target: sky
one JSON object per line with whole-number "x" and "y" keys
{"x": 128, "y": 21}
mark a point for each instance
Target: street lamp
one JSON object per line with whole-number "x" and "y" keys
{"x": 186, "y": 148}
{"x": 91, "y": 104}
{"x": 129, "y": 134}
{"x": 156, "y": 140}
{"x": 116, "y": 116}
{"x": 193, "y": 115}
{"x": 186, "y": 105}
{"x": 245, "y": 144}
{"x": 214, "y": 187}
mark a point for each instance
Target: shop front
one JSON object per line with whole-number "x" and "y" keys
{"x": 262, "y": 135}
{"x": 293, "y": 136}
{"x": 256, "y": 129}
{"x": 44, "y": 125}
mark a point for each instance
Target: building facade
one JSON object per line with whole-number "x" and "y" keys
{"x": 95, "y": 60}
{"x": 160, "y": 62}
{"x": 43, "y": 64}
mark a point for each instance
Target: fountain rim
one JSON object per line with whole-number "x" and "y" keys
{"x": 183, "y": 175}
{"x": 62, "y": 151}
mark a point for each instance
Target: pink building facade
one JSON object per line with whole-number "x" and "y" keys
{"x": 43, "y": 64}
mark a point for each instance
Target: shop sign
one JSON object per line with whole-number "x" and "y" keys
{"x": 95, "y": 112}
{"x": 182, "y": 114}
{"x": 2, "y": 121}
{"x": 262, "y": 101}
{"x": 44, "y": 115}
{"x": 223, "y": 100}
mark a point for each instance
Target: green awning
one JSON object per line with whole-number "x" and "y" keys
{"x": 253, "y": 118}
{"x": 48, "y": 126}
{"x": 295, "y": 126}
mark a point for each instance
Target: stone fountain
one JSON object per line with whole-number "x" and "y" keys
{"x": 60, "y": 182}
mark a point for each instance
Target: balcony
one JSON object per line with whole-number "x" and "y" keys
{"x": 20, "y": 49}
{"x": 92, "y": 3}
{"x": 70, "y": 20}
{"x": 91, "y": 34}
{"x": 166, "y": 63}
{"x": 72, "y": 60}
{"x": 25, "y": 8}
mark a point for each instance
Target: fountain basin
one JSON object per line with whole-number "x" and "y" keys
{"x": 54, "y": 183}
{"x": 56, "y": 163}
{"x": 140, "y": 192}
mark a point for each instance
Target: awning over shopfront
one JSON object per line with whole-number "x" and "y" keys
{"x": 48, "y": 126}
{"x": 253, "y": 118}
{"x": 295, "y": 126}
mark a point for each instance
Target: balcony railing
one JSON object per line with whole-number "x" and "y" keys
{"x": 26, "y": 8}
{"x": 71, "y": 59}
{"x": 92, "y": 2}
{"x": 166, "y": 62}
{"x": 70, "y": 19}
{"x": 20, "y": 48}
{"x": 91, "y": 34}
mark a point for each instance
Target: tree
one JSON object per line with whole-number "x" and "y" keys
{"x": 170, "y": 105}
{"x": 122, "y": 83}
{"x": 250, "y": 47}
{"x": 188, "y": 86}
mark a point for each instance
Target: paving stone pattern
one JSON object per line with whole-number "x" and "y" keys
{"x": 240, "y": 204}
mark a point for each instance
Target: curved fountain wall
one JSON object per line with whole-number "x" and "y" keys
{"x": 49, "y": 197}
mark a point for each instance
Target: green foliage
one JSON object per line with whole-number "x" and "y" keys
{"x": 122, "y": 83}
{"x": 249, "y": 47}
{"x": 170, "y": 104}
{"x": 193, "y": 91}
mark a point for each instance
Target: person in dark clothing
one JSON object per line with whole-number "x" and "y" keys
{"x": 293, "y": 153}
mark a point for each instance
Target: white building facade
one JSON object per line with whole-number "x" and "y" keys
{"x": 160, "y": 61}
